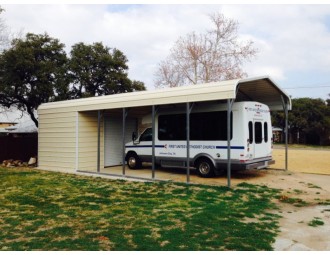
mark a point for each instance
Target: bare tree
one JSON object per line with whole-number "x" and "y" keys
{"x": 215, "y": 55}
{"x": 4, "y": 33}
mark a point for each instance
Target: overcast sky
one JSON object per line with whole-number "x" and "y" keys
{"x": 293, "y": 40}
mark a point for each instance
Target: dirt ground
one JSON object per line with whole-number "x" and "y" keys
{"x": 316, "y": 161}
{"x": 295, "y": 233}
{"x": 308, "y": 179}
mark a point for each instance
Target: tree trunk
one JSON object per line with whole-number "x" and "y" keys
{"x": 33, "y": 117}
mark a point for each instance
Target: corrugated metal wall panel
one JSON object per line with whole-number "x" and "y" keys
{"x": 56, "y": 141}
{"x": 87, "y": 141}
{"x": 112, "y": 139}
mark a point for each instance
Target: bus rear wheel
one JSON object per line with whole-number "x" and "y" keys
{"x": 205, "y": 168}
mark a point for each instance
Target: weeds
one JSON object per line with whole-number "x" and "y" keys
{"x": 316, "y": 222}
{"x": 313, "y": 186}
{"x": 298, "y": 202}
{"x": 325, "y": 202}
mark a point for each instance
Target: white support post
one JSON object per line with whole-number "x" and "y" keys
{"x": 286, "y": 136}
{"x": 229, "y": 106}
{"x": 123, "y": 139}
{"x": 77, "y": 141}
{"x": 188, "y": 140}
{"x": 98, "y": 139}
{"x": 153, "y": 142}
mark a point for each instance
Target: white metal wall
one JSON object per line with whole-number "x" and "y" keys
{"x": 113, "y": 147}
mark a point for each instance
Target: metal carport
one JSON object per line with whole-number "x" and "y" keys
{"x": 260, "y": 89}
{"x": 57, "y": 119}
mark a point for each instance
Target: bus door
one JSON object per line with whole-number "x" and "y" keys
{"x": 259, "y": 142}
{"x": 145, "y": 144}
{"x": 258, "y": 138}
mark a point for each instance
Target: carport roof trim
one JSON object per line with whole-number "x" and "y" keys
{"x": 193, "y": 93}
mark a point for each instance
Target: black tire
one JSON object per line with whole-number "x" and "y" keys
{"x": 205, "y": 168}
{"x": 133, "y": 161}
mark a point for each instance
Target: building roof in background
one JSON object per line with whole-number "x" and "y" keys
{"x": 22, "y": 121}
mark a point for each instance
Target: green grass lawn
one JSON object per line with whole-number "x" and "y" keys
{"x": 52, "y": 211}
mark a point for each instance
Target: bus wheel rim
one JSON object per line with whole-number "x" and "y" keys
{"x": 132, "y": 162}
{"x": 204, "y": 168}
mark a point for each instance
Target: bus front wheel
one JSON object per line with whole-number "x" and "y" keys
{"x": 133, "y": 161}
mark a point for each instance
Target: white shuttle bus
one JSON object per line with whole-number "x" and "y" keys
{"x": 251, "y": 138}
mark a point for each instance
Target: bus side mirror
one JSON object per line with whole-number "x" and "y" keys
{"x": 133, "y": 136}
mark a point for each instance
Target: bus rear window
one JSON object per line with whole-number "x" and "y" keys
{"x": 258, "y": 132}
{"x": 250, "y": 132}
{"x": 266, "y": 131}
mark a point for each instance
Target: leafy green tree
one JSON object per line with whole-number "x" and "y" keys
{"x": 32, "y": 72}
{"x": 309, "y": 119}
{"x": 98, "y": 70}
{"x": 36, "y": 70}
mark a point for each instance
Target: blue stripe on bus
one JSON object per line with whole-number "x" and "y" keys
{"x": 163, "y": 146}
{"x": 231, "y": 147}
{"x": 144, "y": 146}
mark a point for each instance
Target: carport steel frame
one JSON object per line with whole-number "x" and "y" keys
{"x": 286, "y": 104}
{"x": 189, "y": 107}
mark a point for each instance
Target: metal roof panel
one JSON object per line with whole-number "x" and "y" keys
{"x": 261, "y": 89}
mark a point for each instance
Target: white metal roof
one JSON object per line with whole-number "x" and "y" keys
{"x": 260, "y": 89}
{"x": 22, "y": 121}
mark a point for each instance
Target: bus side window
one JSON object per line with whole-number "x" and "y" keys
{"x": 266, "y": 131}
{"x": 250, "y": 132}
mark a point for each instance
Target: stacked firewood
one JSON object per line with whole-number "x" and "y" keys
{"x": 19, "y": 163}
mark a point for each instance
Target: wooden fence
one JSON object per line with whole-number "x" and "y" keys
{"x": 18, "y": 148}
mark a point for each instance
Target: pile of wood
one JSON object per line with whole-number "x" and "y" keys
{"x": 19, "y": 163}
{"x": 12, "y": 163}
